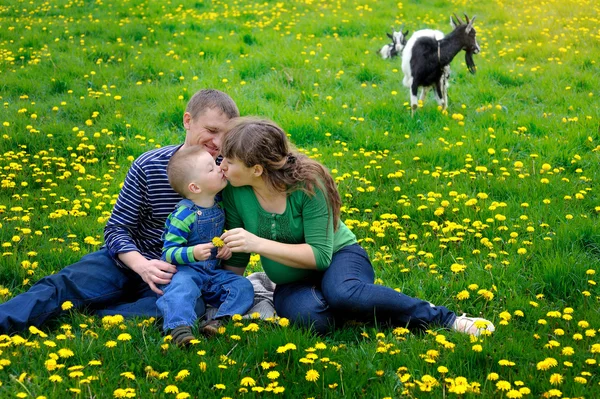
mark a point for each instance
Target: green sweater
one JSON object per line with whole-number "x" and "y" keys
{"x": 305, "y": 220}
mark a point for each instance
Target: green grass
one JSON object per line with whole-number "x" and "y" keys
{"x": 89, "y": 85}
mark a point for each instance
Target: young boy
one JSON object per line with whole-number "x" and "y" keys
{"x": 188, "y": 236}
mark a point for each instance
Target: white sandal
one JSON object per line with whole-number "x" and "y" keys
{"x": 472, "y": 325}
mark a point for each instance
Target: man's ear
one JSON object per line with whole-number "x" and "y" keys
{"x": 187, "y": 119}
{"x": 257, "y": 170}
{"x": 194, "y": 188}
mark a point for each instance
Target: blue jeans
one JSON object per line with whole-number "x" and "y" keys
{"x": 95, "y": 281}
{"x": 346, "y": 291}
{"x": 223, "y": 289}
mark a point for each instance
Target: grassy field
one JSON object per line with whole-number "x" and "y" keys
{"x": 490, "y": 208}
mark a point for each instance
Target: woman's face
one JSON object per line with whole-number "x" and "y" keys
{"x": 236, "y": 172}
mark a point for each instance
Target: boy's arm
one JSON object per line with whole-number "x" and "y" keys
{"x": 176, "y": 238}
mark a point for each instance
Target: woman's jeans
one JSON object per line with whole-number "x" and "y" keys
{"x": 95, "y": 281}
{"x": 346, "y": 291}
{"x": 223, "y": 289}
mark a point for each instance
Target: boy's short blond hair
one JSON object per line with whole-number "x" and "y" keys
{"x": 181, "y": 168}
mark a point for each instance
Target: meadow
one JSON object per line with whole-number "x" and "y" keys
{"x": 489, "y": 208}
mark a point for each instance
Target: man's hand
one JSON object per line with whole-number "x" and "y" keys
{"x": 240, "y": 240}
{"x": 154, "y": 272}
{"x": 202, "y": 251}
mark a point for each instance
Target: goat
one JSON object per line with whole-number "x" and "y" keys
{"x": 395, "y": 47}
{"x": 426, "y": 59}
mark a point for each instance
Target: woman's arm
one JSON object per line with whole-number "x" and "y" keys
{"x": 300, "y": 256}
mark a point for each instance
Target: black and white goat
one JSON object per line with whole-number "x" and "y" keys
{"x": 427, "y": 56}
{"x": 395, "y": 47}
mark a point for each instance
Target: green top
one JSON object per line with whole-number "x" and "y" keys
{"x": 305, "y": 220}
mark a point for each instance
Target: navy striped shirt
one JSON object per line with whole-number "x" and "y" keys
{"x": 145, "y": 201}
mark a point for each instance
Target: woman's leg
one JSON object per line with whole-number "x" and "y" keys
{"x": 303, "y": 304}
{"x": 348, "y": 287}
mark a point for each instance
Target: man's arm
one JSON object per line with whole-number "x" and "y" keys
{"x": 121, "y": 225}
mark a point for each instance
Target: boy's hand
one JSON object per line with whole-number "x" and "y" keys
{"x": 202, "y": 251}
{"x": 224, "y": 252}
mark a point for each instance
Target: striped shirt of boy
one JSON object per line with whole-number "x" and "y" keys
{"x": 177, "y": 230}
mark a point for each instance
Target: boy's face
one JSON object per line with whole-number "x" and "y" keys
{"x": 208, "y": 175}
{"x": 207, "y": 130}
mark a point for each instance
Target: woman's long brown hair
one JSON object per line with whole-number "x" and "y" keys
{"x": 255, "y": 141}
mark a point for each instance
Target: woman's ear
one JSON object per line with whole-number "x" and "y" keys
{"x": 257, "y": 171}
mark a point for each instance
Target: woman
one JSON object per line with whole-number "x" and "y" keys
{"x": 286, "y": 208}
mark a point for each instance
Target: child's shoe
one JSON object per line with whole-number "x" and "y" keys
{"x": 211, "y": 328}
{"x": 182, "y": 335}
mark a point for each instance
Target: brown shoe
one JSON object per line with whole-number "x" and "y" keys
{"x": 182, "y": 335}
{"x": 211, "y": 328}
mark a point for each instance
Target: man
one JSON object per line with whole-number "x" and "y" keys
{"x": 122, "y": 277}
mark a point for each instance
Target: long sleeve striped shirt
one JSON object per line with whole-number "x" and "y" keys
{"x": 145, "y": 201}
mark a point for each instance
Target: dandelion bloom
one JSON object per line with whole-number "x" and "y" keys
{"x": 503, "y": 385}
{"x": 217, "y": 242}
{"x": 182, "y": 395}
{"x": 514, "y": 394}
{"x": 312, "y": 375}
{"x": 66, "y": 305}
{"x": 556, "y": 379}
{"x": 171, "y": 389}
{"x": 248, "y": 382}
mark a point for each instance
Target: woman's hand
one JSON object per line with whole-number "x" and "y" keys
{"x": 224, "y": 252}
{"x": 240, "y": 240}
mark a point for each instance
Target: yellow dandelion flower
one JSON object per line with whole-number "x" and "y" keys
{"x": 171, "y": 389}
{"x": 283, "y": 322}
{"x": 217, "y": 242}
{"x": 182, "y": 395}
{"x": 273, "y": 375}
{"x": 124, "y": 337}
{"x": 66, "y": 305}
{"x": 312, "y": 375}
{"x": 181, "y": 375}
{"x": 556, "y": 379}
{"x": 503, "y": 385}
{"x": 248, "y": 382}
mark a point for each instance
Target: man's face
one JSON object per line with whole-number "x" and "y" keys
{"x": 207, "y": 130}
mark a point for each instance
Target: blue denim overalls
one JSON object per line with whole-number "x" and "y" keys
{"x": 204, "y": 280}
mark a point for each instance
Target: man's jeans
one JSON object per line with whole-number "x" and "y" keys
{"x": 96, "y": 281}
{"x": 229, "y": 292}
{"x": 346, "y": 291}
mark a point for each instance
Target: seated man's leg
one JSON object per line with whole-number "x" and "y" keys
{"x": 303, "y": 304}
{"x": 93, "y": 281}
{"x": 229, "y": 292}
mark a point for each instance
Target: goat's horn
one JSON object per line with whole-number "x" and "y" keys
{"x": 466, "y": 17}
{"x": 458, "y": 19}
{"x": 473, "y": 19}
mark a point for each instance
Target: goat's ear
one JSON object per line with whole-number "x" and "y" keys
{"x": 405, "y": 33}
{"x": 390, "y": 36}
{"x": 470, "y": 25}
